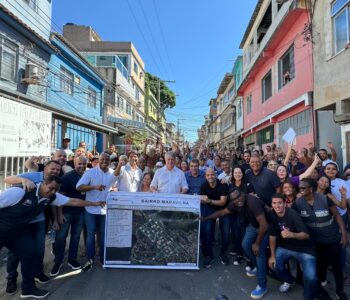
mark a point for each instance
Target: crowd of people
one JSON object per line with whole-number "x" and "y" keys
{"x": 281, "y": 213}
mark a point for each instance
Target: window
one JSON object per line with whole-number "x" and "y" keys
{"x": 105, "y": 61}
{"x": 120, "y": 103}
{"x": 9, "y": 57}
{"x": 239, "y": 109}
{"x": 341, "y": 26}
{"x": 249, "y": 104}
{"x": 266, "y": 84}
{"x": 66, "y": 81}
{"x": 91, "y": 97}
{"x": 77, "y": 79}
{"x": 137, "y": 94}
{"x": 286, "y": 68}
{"x": 128, "y": 108}
{"x": 32, "y": 4}
{"x": 136, "y": 68}
{"x": 265, "y": 135}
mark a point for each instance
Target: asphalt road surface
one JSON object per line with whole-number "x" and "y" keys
{"x": 133, "y": 284}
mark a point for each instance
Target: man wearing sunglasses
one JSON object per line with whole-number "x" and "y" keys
{"x": 323, "y": 221}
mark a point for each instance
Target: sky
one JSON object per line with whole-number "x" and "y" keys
{"x": 193, "y": 42}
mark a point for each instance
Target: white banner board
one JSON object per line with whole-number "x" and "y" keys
{"x": 152, "y": 231}
{"x": 24, "y": 130}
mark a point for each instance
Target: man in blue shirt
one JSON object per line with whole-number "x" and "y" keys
{"x": 195, "y": 177}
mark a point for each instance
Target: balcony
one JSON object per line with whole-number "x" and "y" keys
{"x": 266, "y": 35}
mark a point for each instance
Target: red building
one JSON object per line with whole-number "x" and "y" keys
{"x": 277, "y": 74}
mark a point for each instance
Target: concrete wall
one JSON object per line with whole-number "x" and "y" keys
{"x": 331, "y": 72}
{"x": 38, "y": 19}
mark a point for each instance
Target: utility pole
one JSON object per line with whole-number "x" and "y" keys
{"x": 178, "y": 130}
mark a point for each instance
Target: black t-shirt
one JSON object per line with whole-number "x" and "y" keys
{"x": 245, "y": 167}
{"x": 265, "y": 184}
{"x": 253, "y": 207}
{"x": 294, "y": 223}
{"x": 214, "y": 193}
{"x": 68, "y": 188}
{"x": 245, "y": 187}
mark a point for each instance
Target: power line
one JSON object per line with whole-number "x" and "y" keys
{"x": 145, "y": 40}
{"x": 152, "y": 36}
{"x": 163, "y": 38}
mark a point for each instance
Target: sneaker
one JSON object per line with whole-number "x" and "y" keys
{"x": 74, "y": 265}
{"x": 35, "y": 293}
{"x": 258, "y": 293}
{"x": 341, "y": 296}
{"x": 224, "y": 259}
{"x": 42, "y": 278}
{"x": 252, "y": 272}
{"x": 284, "y": 287}
{"x": 324, "y": 283}
{"x": 11, "y": 287}
{"x": 248, "y": 268}
{"x": 238, "y": 261}
{"x": 55, "y": 270}
{"x": 208, "y": 261}
{"x": 232, "y": 253}
{"x": 88, "y": 265}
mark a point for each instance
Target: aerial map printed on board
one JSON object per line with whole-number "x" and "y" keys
{"x": 152, "y": 230}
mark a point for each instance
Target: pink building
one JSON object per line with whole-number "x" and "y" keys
{"x": 277, "y": 74}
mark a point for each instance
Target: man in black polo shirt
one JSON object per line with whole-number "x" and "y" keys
{"x": 213, "y": 196}
{"x": 264, "y": 181}
{"x": 289, "y": 238}
{"x": 70, "y": 217}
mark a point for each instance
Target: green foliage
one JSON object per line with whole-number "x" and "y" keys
{"x": 167, "y": 96}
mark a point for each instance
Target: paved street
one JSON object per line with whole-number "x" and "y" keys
{"x": 153, "y": 284}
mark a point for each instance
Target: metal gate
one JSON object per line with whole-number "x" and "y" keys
{"x": 9, "y": 166}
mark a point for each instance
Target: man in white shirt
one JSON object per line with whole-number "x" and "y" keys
{"x": 225, "y": 176}
{"x": 96, "y": 182}
{"x": 129, "y": 175}
{"x": 169, "y": 179}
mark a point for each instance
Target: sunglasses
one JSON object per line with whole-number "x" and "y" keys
{"x": 303, "y": 187}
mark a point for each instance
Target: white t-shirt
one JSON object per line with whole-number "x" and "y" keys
{"x": 129, "y": 178}
{"x": 169, "y": 181}
{"x": 96, "y": 176}
{"x": 225, "y": 177}
{"x": 336, "y": 184}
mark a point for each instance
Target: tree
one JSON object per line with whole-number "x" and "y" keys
{"x": 167, "y": 96}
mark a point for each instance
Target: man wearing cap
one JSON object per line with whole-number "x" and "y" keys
{"x": 65, "y": 145}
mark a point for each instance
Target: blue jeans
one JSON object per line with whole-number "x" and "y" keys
{"x": 208, "y": 228}
{"x": 308, "y": 263}
{"x": 94, "y": 223}
{"x": 250, "y": 236}
{"x": 74, "y": 221}
{"x": 238, "y": 226}
{"x": 37, "y": 233}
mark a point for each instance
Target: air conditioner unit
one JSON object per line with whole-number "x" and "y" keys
{"x": 33, "y": 74}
